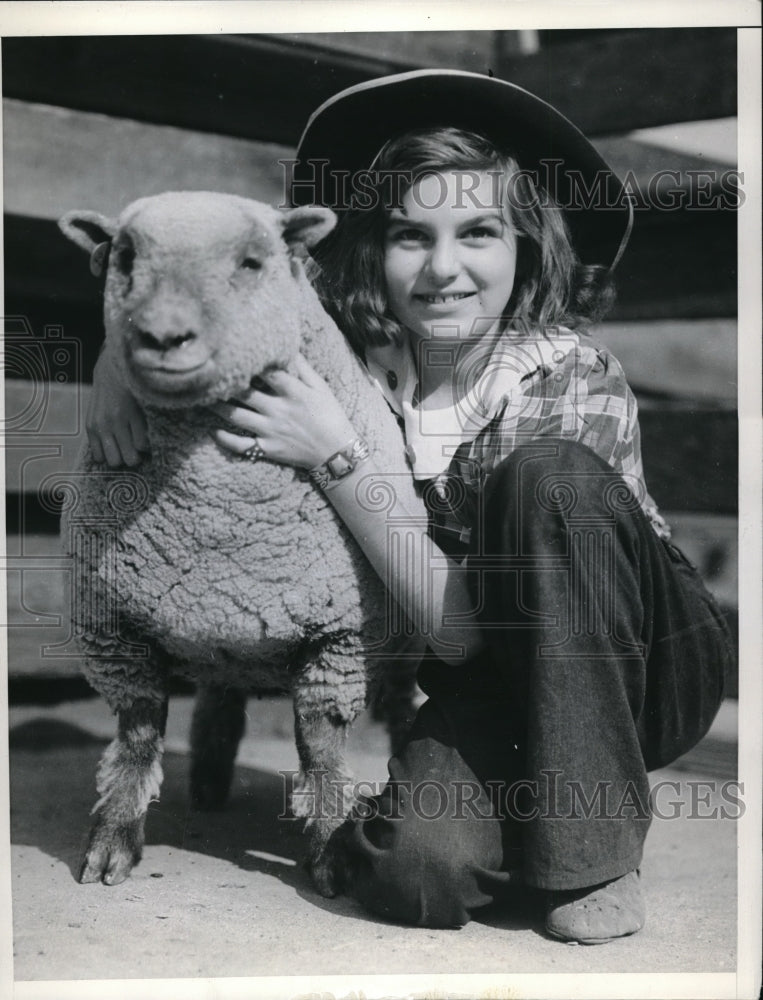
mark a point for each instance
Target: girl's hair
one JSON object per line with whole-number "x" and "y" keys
{"x": 551, "y": 287}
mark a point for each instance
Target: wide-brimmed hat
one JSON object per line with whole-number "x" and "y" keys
{"x": 346, "y": 133}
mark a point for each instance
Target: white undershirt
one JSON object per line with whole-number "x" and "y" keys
{"x": 433, "y": 435}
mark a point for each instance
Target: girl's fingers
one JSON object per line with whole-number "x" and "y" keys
{"x": 254, "y": 399}
{"x": 285, "y": 383}
{"x": 139, "y": 432}
{"x": 241, "y": 417}
{"x": 130, "y": 456}
{"x": 96, "y": 448}
{"x": 234, "y": 442}
{"x": 111, "y": 451}
{"x": 306, "y": 372}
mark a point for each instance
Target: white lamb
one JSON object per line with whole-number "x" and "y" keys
{"x": 234, "y": 574}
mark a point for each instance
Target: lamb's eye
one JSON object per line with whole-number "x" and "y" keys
{"x": 251, "y": 263}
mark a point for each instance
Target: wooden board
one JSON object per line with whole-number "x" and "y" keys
{"x": 619, "y": 81}
{"x": 265, "y": 86}
{"x": 56, "y": 159}
{"x": 104, "y": 162}
{"x": 685, "y": 359}
{"x": 39, "y": 581}
{"x": 691, "y": 458}
{"x": 668, "y": 270}
{"x": 690, "y": 452}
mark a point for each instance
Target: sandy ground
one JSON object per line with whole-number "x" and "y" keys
{"x": 224, "y": 895}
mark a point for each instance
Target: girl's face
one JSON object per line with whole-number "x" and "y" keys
{"x": 450, "y": 254}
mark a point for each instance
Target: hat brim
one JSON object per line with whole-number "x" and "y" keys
{"x": 350, "y": 128}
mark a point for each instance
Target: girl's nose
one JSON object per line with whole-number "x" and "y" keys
{"x": 443, "y": 263}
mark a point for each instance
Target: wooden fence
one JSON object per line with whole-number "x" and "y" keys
{"x": 93, "y": 122}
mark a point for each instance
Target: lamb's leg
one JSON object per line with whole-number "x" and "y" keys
{"x": 129, "y": 777}
{"x": 323, "y": 794}
{"x": 218, "y": 724}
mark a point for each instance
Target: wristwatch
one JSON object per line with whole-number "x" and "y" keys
{"x": 340, "y": 464}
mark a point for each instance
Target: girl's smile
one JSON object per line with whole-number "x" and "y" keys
{"x": 450, "y": 254}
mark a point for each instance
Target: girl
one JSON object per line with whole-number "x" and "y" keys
{"x": 573, "y": 646}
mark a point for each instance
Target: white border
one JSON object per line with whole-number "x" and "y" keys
{"x": 749, "y": 918}
{"x": 262, "y": 16}
{"x": 183, "y": 17}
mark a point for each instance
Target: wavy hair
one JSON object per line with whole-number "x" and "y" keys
{"x": 551, "y": 286}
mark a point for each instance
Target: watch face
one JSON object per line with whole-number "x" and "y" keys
{"x": 340, "y": 465}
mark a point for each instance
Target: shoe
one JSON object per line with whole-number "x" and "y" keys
{"x": 597, "y": 914}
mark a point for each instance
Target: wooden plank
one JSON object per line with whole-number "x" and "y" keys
{"x": 265, "y": 86}
{"x": 647, "y": 163}
{"x": 29, "y": 462}
{"x": 632, "y": 79}
{"x": 679, "y": 264}
{"x": 689, "y": 359}
{"x": 255, "y": 87}
{"x": 470, "y": 50}
{"x": 40, "y": 262}
{"x": 43, "y": 432}
{"x": 691, "y": 458}
{"x": 38, "y": 582}
{"x": 710, "y": 541}
{"x": 690, "y": 454}
{"x": 103, "y": 163}
{"x": 680, "y": 359}
{"x": 38, "y": 407}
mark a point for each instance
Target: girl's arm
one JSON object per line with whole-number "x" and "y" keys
{"x": 115, "y": 423}
{"x": 428, "y": 585}
{"x": 302, "y": 424}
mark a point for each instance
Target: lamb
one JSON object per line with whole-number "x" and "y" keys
{"x": 237, "y": 575}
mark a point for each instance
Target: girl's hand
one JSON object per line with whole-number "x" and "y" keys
{"x": 116, "y": 425}
{"x": 300, "y": 424}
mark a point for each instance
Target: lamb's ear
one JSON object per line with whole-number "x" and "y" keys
{"x": 92, "y": 232}
{"x": 305, "y": 226}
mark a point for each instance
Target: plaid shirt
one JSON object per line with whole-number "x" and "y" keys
{"x": 566, "y": 387}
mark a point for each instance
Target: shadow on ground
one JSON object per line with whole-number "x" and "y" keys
{"x": 247, "y": 828}
{"x": 254, "y": 831}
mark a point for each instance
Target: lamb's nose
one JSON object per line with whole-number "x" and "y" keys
{"x": 166, "y": 341}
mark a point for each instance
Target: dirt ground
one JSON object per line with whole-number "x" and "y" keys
{"x": 224, "y": 895}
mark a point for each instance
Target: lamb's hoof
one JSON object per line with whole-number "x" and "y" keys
{"x": 331, "y": 866}
{"x": 111, "y": 855}
{"x": 325, "y": 876}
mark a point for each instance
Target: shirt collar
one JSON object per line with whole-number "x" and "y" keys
{"x": 433, "y": 435}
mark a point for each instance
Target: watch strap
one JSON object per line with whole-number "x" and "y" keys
{"x": 340, "y": 464}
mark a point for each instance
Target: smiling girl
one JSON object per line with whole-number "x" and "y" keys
{"x": 573, "y": 648}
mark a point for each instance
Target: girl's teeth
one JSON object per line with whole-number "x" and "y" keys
{"x": 439, "y": 299}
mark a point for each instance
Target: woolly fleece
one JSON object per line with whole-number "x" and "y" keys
{"x": 198, "y": 562}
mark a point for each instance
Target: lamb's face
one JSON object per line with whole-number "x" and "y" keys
{"x": 202, "y": 295}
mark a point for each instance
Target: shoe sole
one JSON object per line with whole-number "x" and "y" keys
{"x": 604, "y": 940}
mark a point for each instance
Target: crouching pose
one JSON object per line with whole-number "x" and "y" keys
{"x": 581, "y": 649}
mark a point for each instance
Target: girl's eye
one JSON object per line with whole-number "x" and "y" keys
{"x": 407, "y": 236}
{"x": 481, "y": 233}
